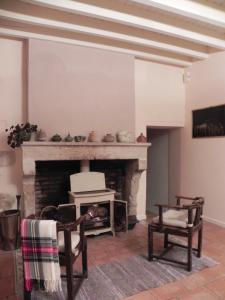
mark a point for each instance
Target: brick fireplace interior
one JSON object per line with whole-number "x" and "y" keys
{"x": 52, "y": 179}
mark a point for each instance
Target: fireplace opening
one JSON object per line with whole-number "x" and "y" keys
{"x": 52, "y": 182}
{"x": 52, "y": 179}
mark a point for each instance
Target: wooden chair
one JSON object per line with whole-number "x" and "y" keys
{"x": 71, "y": 243}
{"x": 183, "y": 219}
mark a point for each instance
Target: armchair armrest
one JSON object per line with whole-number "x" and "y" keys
{"x": 172, "y": 206}
{"x": 67, "y": 228}
{"x": 71, "y": 226}
{"x": 179, "y": 198}
{"x": 187, "y": 198}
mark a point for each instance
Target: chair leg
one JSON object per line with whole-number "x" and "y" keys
{"x": 166, "y": 237}
{"x": 26, "y": 294}
{"x": 84, "y": 260}
{"x": 189, "y": 263}
{"x": 69, "y": 265}
{"x": 199, "y": 243}
{"x": 150, "y": 243}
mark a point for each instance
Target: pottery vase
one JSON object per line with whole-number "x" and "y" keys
{"x": 56, "y": 138}
{"x": 26, "y": 136}
{"x": 41, "y": 136}
{"x": 124, "y": 137}
{"x": 108, "y": 138}
{"x": 141, "y": 138}
{"x": 68, "y": 138}
{"x": 92, "y": 137}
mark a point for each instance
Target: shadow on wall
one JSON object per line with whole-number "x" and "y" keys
{"x": 10, "y": 176}
{"x": 7, "y": 158}
{"x": 7, "y": 201}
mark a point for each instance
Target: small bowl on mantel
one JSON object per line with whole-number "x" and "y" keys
{"x": 109, "y": 138}
{"x": 79, "y": 138}
{"x": 56, "y": 138}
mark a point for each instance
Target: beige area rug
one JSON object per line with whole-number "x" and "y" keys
{"x": 120, "y": 279}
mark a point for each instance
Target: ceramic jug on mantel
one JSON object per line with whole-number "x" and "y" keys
{"x": 68, "y": 138}
{"x": 92, "y": 137}
{"x": 141, "y": 138}
{"x": 108, "y": 138}
{"x": 124, "y": 137}
{"x": 41, "y": 136}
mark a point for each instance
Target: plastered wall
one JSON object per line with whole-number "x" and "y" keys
{"x": 159, "y": 102}
{"x": 78, "y": 89}
{"x": 12, "y": 111}
{"x": 203, "y": 160}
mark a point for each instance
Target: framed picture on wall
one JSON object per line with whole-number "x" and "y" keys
{"x": 208, "y": 122}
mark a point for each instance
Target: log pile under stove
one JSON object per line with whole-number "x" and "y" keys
{"x": 97, "y": 216}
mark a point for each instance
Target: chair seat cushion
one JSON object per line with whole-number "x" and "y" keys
{"x": 172, "y": 217}
{"x": 75, "y": 239}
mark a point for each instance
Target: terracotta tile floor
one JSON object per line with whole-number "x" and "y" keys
{"x": 207, "y": 284}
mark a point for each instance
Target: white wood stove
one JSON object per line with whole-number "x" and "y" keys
{"x": 89, "y": 189}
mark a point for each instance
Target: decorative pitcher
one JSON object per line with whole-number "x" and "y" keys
{"x": 92, "y": 137}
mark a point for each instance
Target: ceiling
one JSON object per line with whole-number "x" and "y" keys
{"x": 175, "y": 32}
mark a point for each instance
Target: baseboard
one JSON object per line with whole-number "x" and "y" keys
{"x": 141, "y": 217}
{"x": 214, "y": 221}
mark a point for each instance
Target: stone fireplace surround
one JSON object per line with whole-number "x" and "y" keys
{"x": 135, "y": 153}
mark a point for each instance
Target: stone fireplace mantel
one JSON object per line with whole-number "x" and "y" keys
{"x": 42, "y": 151}
{"x": 32, "y": 152}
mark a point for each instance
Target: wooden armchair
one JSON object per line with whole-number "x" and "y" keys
{"x": 71, "y": 243}
{"x": 183, "y": 219}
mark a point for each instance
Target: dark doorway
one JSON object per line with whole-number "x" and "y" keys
{"x": 163, "y": 173}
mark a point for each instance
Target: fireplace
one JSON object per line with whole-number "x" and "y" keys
{"x": 52, "y": 179}
{"x": 122, "y": 164}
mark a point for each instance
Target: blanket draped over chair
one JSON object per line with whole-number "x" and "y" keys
{"x": 40, "y": 255}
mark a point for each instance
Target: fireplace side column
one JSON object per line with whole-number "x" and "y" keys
{"x": 29, "y": 195}
{"x": 133, "y": 175}
{"x": 29, "y": 171}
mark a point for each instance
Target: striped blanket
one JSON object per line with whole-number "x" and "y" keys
{"x": 40, "y": 255}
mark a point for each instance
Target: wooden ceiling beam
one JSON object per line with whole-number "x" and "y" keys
{"x": 137, "y": 54}
{"x": 189, "y": 9}
{"x": 131, "y": 20}
{"x": 9, "y": 15}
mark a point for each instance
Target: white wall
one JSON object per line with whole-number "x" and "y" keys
{"x": 12, "y": 112}
{"x": 203, "y": 159}
{"x": 79, "y": 89}
{"x": 159, "y": 95}
{"x": 159, "y": 101}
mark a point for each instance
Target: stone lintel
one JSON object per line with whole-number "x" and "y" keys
{"x": 44, "y": 151}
